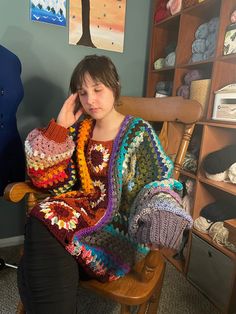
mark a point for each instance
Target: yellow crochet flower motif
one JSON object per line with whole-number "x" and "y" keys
{"x": 102, "y": 191}
{"x": 105, "y": 157}
{"x": 60, "y": 214}
{"x": 82, "y": 139}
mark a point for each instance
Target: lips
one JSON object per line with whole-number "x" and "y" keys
{"x": 94, "y": 110}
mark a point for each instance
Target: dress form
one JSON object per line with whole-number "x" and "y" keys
{"x": 12, "y": 161}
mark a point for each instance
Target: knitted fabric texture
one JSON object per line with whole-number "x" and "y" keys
{"x": 216, "y": 231}
{"x": 174, "y": 6}
{"x": 232, "y": 173}
{"x": 219, "y": 211}
{"x": 158, "y": 218}
{"x": 220, "y": 234}
{"x": 161, "y": 11}
{"x": 222, "y": 176}
{"x": 187, "y": 201}
{"x": 100, "y": 244}
{"x": 202, "y": 224}
{"x": 220, "y": 160}
{"x": 203, "y": 47}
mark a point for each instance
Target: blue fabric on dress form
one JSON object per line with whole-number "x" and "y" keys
{"x": 12, "y": 161}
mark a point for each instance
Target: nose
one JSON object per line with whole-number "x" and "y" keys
{"x": 90, "y": 98}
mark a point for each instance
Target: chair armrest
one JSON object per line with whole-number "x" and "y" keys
{"x": 151, "y": 262}
{"x": 15, "y": 192}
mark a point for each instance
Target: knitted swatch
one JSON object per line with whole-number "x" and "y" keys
{"x": 162, "y": 222}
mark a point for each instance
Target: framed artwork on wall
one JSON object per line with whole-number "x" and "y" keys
{"x": 48, "y": 11}
{"x": 97, "y": 23}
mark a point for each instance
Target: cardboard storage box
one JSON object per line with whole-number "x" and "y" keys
{"x": 225, "y": 104}
{"x": 211, "y": 271}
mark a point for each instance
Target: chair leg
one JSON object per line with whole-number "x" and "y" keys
{"x": 143, "y": 308}
{"x": 20, "y": 308}
{"x": 125, "y": 309}
{"x": 154, "y": 301}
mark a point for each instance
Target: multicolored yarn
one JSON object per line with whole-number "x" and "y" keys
{"x": 83, "y": 137}
{"x": 49, "y": 163}
{"x": 157, "y": 216}
{"x": 102, "y": 245}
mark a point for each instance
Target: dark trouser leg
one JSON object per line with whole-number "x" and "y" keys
{"x": 48, "y": 275}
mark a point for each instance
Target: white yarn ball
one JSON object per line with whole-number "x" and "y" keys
{"x": 232, "y": 173}
{"x": 221, "y": 176}
{"x": 202, "y": 224}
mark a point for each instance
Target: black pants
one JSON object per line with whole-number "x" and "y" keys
{"x": 48, "y": 275}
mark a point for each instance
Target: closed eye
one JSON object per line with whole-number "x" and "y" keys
{"x": 97, "y": 90}
{"x": 81, "y": 92}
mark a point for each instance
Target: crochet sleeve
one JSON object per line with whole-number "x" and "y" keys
{"x": 156, "y": 215}
{"x": 49, "y": 158}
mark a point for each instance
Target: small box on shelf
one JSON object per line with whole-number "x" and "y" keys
{"x": 225, "y": 104}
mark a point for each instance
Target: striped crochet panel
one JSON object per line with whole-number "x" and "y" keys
{"x": 49, "y": 162}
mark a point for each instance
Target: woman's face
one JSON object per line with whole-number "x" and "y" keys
{"x": 96, "y": 98}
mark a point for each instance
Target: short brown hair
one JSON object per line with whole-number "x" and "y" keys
{"x": 101, "y": 69}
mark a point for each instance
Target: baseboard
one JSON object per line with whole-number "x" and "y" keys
{"x": 12, "y": 241}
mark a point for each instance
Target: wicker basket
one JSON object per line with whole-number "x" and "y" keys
{"x": 199, "y": 90}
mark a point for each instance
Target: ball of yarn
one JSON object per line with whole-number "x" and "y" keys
{"x": 199, "y": 46}
{"x": 213, "y": 25}
{"x": 233, "y": 17}
{"x": 220, "y": 160}
{"x": 189, "y": 184}
{"x": 220, "y": 210}
{"x": 174, "y": 6}
{"x": 170, "y": 59}
{"x": 159, "y": 63}
{"x": 183, "y": 91}
{"x": 202, "y": 31}
{"x": 202, "y": 224}
{"x": 219, "y": 233}
{"x": 197, "y": 57}
{"x": 232, "y": 173}
{"x": 222, "y": 176}
{"x": 192, "y": 75}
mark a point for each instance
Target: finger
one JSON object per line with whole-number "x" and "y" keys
{"x": 79, "y": 113}
{"x": 70, "y": 101}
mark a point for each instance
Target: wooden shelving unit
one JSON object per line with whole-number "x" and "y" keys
{"x": 221, "y": 70}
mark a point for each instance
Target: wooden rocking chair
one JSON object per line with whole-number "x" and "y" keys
{"x": 142, "y": 286}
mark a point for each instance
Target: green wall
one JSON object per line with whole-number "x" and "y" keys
{"x": 47, "y": 63}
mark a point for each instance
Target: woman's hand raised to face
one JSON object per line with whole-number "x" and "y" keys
{"x": 68, "y": 114}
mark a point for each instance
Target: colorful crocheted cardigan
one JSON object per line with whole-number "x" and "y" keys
{"x": 56, "y": 161}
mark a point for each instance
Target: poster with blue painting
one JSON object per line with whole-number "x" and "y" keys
{"x": 48, "y": 11}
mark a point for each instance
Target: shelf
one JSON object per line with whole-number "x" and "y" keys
{"x": 188, "y": 174}
{"x": 221, "y": 248}
{"x": 228, "y": 58}
{"x": 218, "y": 123}
{"x": 205, "y": 8}
{"x": 214, "y": 134}
{"x": 170, "y": 21}
{"x": 196, "y": 64}
{"x": 164, "y": 69}
{"x": 223, "y": 186}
